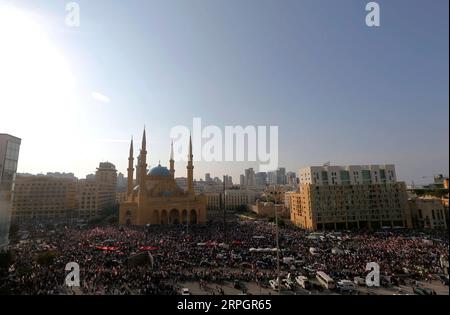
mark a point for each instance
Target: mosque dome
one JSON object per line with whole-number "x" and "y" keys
{"x": 159, "y": 171}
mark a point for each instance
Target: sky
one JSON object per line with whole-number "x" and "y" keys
{"x": 338, "y": 90}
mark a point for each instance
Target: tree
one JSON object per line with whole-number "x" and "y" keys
{"x": 13, "y": 231}
{"x": 46, "y": 258}
{"x": 6, "y": 259}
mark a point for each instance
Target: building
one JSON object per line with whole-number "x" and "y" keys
{"x": 291, "y": 179}
{"x": 428, "y": 213}
{"x": 228, "y": 181}
{"x": 97, "y": 191}
{"x": 61, "y": 175}
{"x": 106, "y": 174}
{"x": 43, "y": 198}
{"x": 232, "y": 199}
{"x": 106, "y": 180}
{"x": 272, "y": 178}
{"x": 439, "y": 182}
{"x": 214, "y": 201}
{"x": 261, "y": 179}
{"x": 249, "y": 175}
{"x": 348, "y": 175}
{"x": 157, "y": 199}
{"x": 288, "y": 195}
{"x": 242, "y": 180}
{"x": 122, "y": 182}
{"x": 9, "y": 157}
{"x": 267, "y": 209}
{"x": 281, "y": 176}
{"x": 349, "y": 197}
{"x": 121, "y": 196}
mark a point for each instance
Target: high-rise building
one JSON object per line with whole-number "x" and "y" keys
{"x": 122, "y": 182}
{"x": 242, "y": 180}
{"x": 272, "y": 178}
{"x": 106, "y": 179}
{"x": 346, "y": 197}
{"x": 228, "y": 180}
{"x": 281, "y": 176}
{"x": 249, "y": 177}
{"x": 9, "y": 157}
{"x": 291, "y": 179}
{"x": 261, "y": 179}
{"x": 208, "y": 177}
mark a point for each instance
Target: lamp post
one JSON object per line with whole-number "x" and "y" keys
{"x": 224, "y": 212}
{"x": 275, "y": 194}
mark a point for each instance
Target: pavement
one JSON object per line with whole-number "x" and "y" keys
{"x": 255, "y": 289}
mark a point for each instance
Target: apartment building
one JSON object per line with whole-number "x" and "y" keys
{"x": 349, "y": 197}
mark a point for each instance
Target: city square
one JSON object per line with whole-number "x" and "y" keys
{"x": 256, "y": 153}
{"x": 210, "y": 260}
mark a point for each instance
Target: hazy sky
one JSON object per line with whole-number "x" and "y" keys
{"x": 338, "y": 90}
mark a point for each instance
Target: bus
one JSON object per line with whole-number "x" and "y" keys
{"x": 325, "y": 280}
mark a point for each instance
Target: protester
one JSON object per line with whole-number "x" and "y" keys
{"x": 208, "y": 255}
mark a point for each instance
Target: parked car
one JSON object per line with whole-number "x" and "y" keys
{"x": 346, "y": 286}
{"x": 274, "y": 284}
{"x": 444, "y": 279}
{"x": 359, "y": 281}
{"x": 185, "y": 291}
{"x": 303, "y": 282}
{"x": 423, "y": 291}
{"x": 238, "y": 285}
{"x": 287, "y": 283}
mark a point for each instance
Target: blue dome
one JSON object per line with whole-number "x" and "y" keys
{"x": 159, "y": 171}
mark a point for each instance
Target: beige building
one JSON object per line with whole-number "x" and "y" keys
{"x": 337, "y": 197}
{"x": 41, "y": 198}
{"x": 121, "y": 196}
{"x": 348, "y": 175}
{"x": 157, "y": 199}
{"x": 97, "y": 192}
{"x": 56, "y": 197}
{"x": 106, "y": 179}
{"x": 233, "y": 199}
{"x": 428, "y": 213}
{"x": 267, "y": 209}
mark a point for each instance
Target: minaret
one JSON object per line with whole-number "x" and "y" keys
{"x": 171, "y": 161}
{"x": 130, "y": 170}
{"x": 190, "y": 169}
{"x": 143, "y": 161}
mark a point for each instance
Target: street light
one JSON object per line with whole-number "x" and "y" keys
{"x": 275, "y": 194}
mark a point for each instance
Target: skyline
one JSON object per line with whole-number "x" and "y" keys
{"x": 313, "y": 69}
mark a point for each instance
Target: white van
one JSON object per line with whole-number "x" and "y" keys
{"x": 303, "y": 282}
{"x": 325, "y": 280}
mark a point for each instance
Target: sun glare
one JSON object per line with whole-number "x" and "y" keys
{"x": 35, "y": 81}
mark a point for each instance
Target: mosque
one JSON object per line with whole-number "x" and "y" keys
{"x": 155, "y": 197}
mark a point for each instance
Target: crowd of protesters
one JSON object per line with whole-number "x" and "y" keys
{"x": 110, "y": 257}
